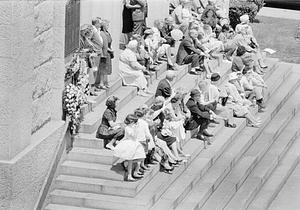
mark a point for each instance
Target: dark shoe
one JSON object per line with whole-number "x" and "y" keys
{"x": 205, "y": 133}
{"x": 215, "y": 122}
{"x": 229, "y": 125}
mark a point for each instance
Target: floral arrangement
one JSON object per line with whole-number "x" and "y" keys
{"x": 72, "y": 68}
{"x": 83, "y": 78}
{"x": 73, "y": 98}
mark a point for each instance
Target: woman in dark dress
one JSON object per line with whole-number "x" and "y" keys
{"x": 127, "y": 27}
{"x": 109, "y": 129}
{"x": 105, "y": 65}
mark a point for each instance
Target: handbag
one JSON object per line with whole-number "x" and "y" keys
{"x": 111, "y": 54}
{"x": 138, "y": 15}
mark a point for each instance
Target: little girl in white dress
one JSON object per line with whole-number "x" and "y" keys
{"x": 129, "y": 149}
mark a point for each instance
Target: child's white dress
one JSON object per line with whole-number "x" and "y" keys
{"x": 129, "y": 148}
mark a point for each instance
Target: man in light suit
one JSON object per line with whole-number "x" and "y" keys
{"x": 190, "y": 51}
{"x": 98, "y": 43}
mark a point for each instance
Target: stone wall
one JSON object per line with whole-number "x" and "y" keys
{"x": 48, "y": 62}
{"x": 31, "y": 84}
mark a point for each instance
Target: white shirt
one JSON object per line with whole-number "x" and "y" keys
{"x": 143, "y": 132}
{"x": 213, "y": 93}
{"x": 98, "y": 32}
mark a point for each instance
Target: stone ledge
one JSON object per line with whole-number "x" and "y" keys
{"x": 36, "y": 159}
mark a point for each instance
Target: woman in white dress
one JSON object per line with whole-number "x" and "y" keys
{"x": 129, "y": 149}
{"x": 131, "y": 71}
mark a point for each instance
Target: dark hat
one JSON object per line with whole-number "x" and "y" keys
{"x": 131, "y": 118}
{"x": 139, "y": 112}
{"x": 215, "y": 77}
{"x": 111, "y": 101}
{"x": 195, "y": 92}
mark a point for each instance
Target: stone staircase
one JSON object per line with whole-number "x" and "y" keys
{"x": 232, "y": 169}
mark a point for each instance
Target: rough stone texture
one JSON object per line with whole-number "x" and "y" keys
{"x": 41, "y": 111}
{"x": 5, "y": 12}
{"x": 21, "y": 110}
{"x": 31, "y": 71}
{"x": 23, "y": 178}
{"x": 43, "y": 47}
{"x": 43, "y": 16}
{"x": 43, "y": 79}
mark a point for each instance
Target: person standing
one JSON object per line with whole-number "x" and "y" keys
{"x": 105, "y": 64}
{"x": 138, "y": 16}
{"x": 98, "y": 42}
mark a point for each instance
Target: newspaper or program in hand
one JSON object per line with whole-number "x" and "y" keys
{"x": 269, "y": 50}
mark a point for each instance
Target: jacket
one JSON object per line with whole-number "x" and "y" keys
{"x": 186, "y": 47}
{"x": 164, "y": 89}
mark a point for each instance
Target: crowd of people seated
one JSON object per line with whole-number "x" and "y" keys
{"x": 156, "y": 133}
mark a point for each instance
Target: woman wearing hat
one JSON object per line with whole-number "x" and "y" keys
{"x": 110, "y": 130}
{"x": 129, "y": 149}
{"x": 131, "y": 71}
{"x": 239, "y": 105}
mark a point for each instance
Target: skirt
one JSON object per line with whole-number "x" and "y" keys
{"x": 168, "y": 139}
{"x": 129, "y": 150}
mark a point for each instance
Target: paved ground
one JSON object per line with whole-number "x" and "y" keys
{"x": 288, "y": 198}
{"x": 280, "y": 34}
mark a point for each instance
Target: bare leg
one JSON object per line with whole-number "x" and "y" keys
{"x": 175, "y": 151}
{"x": 136, "y": 170}
{"x": 110, "y": 145}
{"x": 129, "y": 176}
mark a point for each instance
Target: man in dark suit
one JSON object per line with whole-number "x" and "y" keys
{"x": 164, "y": 88}
{"x": 190, "y": 51}
{"x": 166, "y": 29}
{"x": 201, "y": 116}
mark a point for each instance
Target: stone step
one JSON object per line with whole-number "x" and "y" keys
{"x": 103, "y": 94}
{"x": 86, "y": 140}
{"x": 265, "y": 167}
{"x": 203, "y": 190}
{"x": 92, "y": 170}
{"x": 278, "y": 178}
{"x": 175, "y": 194}
{"x": 257, "y": 150}
{"x": 90, "y": 155}
{"x": 288, "y": 196}
{"x": 143, "y": 199}
{"x": 144, "y": 194}
{"x": 126, "y": 93}
{"x": 93, "y": 151}
{"x": 63, "y": 207}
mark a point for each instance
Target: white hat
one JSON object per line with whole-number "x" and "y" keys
{"x": 132, "y": 44}
{"x": 232, "y": 76}
{"x": 244, "y": 18}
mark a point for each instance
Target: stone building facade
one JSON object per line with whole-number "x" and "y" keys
{"x": 32, "y": 68}
{"x": 32, "y": 81}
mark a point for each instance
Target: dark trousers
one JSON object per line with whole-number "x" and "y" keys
{"x": 195, "y": 60}
{"x": 203, "y": 124}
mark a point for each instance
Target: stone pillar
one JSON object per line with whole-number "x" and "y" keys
{"x": 16, "y": 76}
{"x": 112, "y": 11}
{"x": 157, "y": 9}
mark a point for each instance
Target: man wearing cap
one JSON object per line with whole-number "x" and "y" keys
{"x": 214, "y": 96}
{"x": 200, "y": 116}
{"x": 164, "y": 87}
